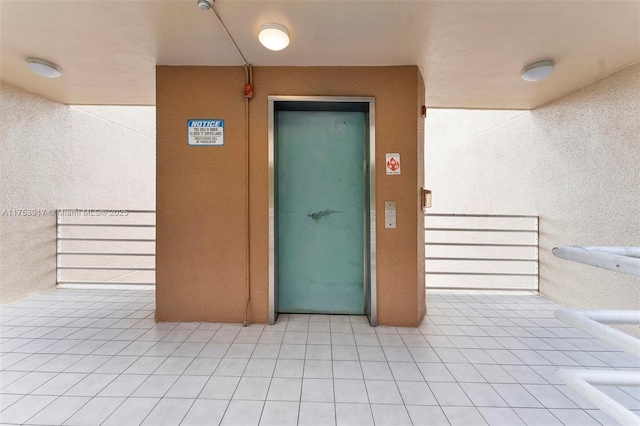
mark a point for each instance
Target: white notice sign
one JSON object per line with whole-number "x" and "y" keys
{"x": 205, "y": 132}
{"x": 393, "y": 163}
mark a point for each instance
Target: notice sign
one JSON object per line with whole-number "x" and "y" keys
{"x": 393, "y": 163}
{"x": 205, "y": 132}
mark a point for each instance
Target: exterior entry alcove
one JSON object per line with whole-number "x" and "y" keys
{"x": 202, "y": 240}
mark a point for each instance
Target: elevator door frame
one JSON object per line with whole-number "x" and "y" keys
{"x": 315, "y": 103}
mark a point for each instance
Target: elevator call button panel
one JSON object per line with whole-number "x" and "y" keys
{"x": 390, "y": 214}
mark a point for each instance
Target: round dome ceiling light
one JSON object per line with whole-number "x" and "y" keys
{"x": 44, "y": 68}
{"x": 205, "y": 4}
{"x": 273, "y": 36}
{"x": 537, "y": 71}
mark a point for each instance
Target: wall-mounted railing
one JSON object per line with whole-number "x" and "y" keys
{"x": 105, "y": 246}
{"x": 597, "y": 324}
{"x": 468, "y": 251}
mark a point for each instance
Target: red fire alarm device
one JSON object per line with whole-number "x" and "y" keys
{"x": 248, "y": 91}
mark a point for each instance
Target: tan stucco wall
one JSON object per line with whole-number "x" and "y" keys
{"x": 201, "y": 211}
{"x": 59, "y": 156}
{"x": 574, "y": 162}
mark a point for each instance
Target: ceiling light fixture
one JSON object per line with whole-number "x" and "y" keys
{"x": 537, "y": 71}
{"x": 274, "y": 36}
{"x": 205, "y": 4}
{"x": 44, "y": 68}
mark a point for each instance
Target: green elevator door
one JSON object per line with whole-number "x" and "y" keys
{"x": 320, "y": 211}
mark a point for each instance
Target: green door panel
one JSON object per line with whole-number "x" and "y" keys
{"x": 320, "y": 211}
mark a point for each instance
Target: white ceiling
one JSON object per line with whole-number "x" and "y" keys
{"x": 470, "y": 52}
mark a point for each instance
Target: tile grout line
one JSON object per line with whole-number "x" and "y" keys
{"x": 150, "y": 375}
{"x": 527, "y": 317}
{"x": 59, "y": 396}
{"x": 264, "y": 403}
{"x": 120, "y": 374}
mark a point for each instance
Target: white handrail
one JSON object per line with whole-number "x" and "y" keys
{"x": 582, "y": 382}
{"x": 621, "y": 259}
{"x": 611, "y": 258}
{"x": 590, "y": 322}
{"x": 622, "y": 251}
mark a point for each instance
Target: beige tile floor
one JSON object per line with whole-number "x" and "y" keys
{"x": 97, "y": 357}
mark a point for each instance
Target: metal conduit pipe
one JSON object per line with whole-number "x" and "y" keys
{"x": 248, "y": 95}
{"x": 248, "y": 271}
